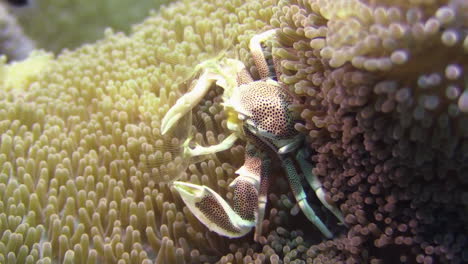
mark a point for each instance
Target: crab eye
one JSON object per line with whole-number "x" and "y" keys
{"x": 232, "y": 116}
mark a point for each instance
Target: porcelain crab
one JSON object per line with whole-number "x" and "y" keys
{"x": 259, "y": 113}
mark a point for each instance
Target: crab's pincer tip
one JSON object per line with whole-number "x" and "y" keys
{"x": 186, "y": 189}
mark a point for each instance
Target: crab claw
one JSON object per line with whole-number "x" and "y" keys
{"x": 212, "y": 210}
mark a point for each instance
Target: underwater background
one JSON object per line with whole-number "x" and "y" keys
{"x": 85, "y": 174}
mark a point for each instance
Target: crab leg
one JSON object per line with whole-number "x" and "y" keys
{"x": 212, "y": 72}
{"x": 227, "y": 143}
{"x": 215, "y": 213}
{"x": 316, "y": 185}
{"x": 257, "y": 52}
{"x": 188, "y": 101}
{"x": 257, "y": 167}
{"x": 299, "y": 193}
{"x": 262, "y": 200}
